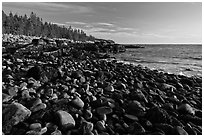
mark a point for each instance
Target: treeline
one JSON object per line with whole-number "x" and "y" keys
{"x": 34, "y": 26}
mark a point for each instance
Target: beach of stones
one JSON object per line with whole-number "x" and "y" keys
{"x": 87, "y": 93}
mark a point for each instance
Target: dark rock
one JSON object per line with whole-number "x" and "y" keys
{"x": 104, "y": 110}
{"x": 166, "y": 128}
{"x": 35, "y": 72}
{"x": 51, "y": 127}
{"x": 175, "y": 122}
{"x": 119, "y": 129}
{"x": 185, "y": 109}
{"x": 198, "y": 113}
{"x": 88, "y": 114}
{"x": 138, "y": 95}
{"x": 179, "y": 131}
{"x": 86, "y": 127}
{"x": 100, "y": 125}
{"x": 76, "y": 74}
{"x": 135, "y": 108}
{"x": 109, "y": 88}
{"x": 146, "y": 124}
{"x": 77, "y": 102}
{"x": 189, "y": 118}
{"x": 189, "y": 130}
{"x": 136, "y": 129}
{"x": 157, "y": 115}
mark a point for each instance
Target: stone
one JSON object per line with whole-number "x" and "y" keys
{"x": 119, "y": 129}
{"x": 189, "y": 129}
{"x": 175, "y": 122}
{"x": 38, "y": 107}
{"x": 186, "y": 108}
{"x": 76, "y": 74}
{"x": 66, "y": 121}
{"x": 54, "y": 97}
{"x": 56, "y": 132}
{"x": 168, "y": 86}
{"x": 37, "y": 131}
{"x": 35, "y": 72}
{"x": 86, "y": 127}
{"x": 138, "y": 95}
{"x": 166, "y": 128}
{"x": 6, "y": 97}
{"x": 100, "y": 125}
{"x": 51, "y": 127}
{"x": 198, "y": 113}
{"x": 25, "y": 94}
{"x": 131, "y": 117}
{"x": 35, "y": 126}
{"x": 12, "y": 115}
{"x": 37, "y": 102}
{"x": 77, "y": 102}
{"x": 82, "y": 79}
{"x": 157, "y": 115}
{"x": 109, "y": 88}
{"x": 135, "y": 108}
{"x": 179, "y": 131}
{"x": 33, "y": 132}
{"x": 104, "y": 110}
{"x": 13, "y": 91}
{"x": 49, "y": 92}
{"x": 88, "y": 114}
{"x": 136, "y": 128}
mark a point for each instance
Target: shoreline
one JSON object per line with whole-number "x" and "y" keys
{"x": 87, "y": 93}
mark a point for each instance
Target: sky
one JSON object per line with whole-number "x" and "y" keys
{"x": 123, "y": 22}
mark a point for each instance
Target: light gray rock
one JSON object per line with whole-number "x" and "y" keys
{"x": 66, "y": 121}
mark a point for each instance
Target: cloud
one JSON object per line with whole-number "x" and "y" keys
{"x": 76, "y": 23}
{"x": 104, "y": 24}
{"x": 49, "y": 6}
{"x": 150, "y": 34}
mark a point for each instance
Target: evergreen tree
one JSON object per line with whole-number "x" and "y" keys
{"x": 34, "y": 26}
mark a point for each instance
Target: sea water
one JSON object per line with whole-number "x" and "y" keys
{"x": 180, "y": 59}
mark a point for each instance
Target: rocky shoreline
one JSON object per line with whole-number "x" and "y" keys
{"x": 82, "y": 93}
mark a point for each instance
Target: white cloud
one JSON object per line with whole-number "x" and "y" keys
{"x": 104, "y": 24}
{"x": 49, "y": 6}
{"x": 76, "y": 23}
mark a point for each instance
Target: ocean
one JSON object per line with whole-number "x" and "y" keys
{"x": 180, "y": 59}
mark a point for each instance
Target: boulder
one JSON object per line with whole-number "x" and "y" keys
{"x": 77, "y": 102}
{"x": 12, "y": 115}
{"x": 66, "y": 121}
{"x": 186, "y": 108}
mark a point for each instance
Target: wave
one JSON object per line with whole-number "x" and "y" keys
{"x": 194, "y": 58}
{"x": 148, "y": 61}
